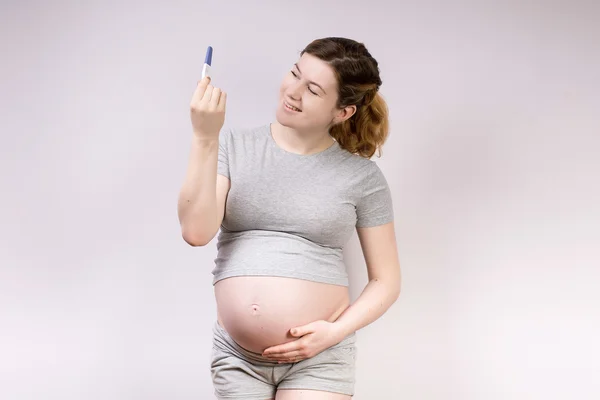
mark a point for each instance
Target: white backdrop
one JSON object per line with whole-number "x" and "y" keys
{"x": 493, "y": 160}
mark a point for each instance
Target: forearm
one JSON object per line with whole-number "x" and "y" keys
{"x": 374, "y": 301}
{"x": 197, "y": 203}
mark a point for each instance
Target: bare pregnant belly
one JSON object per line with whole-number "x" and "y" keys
{"x": 258, "y": 312}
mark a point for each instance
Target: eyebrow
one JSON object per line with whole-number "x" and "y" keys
{"x": 314, "y": 83}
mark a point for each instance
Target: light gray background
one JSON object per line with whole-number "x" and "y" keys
{"x": 493, "y": 161}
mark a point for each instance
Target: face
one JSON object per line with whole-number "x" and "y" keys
{"x": 308, "y": 97}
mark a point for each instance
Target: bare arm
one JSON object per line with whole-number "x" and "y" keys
{"x": 201, "y": 203}
{"x": 385, "y": 279}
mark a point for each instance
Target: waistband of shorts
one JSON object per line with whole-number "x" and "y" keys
{"x": 226, "y": 342}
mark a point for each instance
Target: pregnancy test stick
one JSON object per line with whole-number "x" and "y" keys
{"x": 207, "y": 62}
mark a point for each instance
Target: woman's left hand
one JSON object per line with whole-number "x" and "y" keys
{"x": 313, "y": 339}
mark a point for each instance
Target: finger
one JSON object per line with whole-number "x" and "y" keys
{"x": 214, "y": 99}
{"x": 200, "y": 89}
{"x": 287, "y": 354}
{"x": 292, "y": 355}
{"x": 207, "y": 94}
{"x": 285, "y": 348}
{"x": 302, "y": 330}
{"x": 294, "y": 359}
{"x": 222, "y": 101}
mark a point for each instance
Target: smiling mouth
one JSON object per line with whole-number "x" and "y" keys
{"x": 291, "y": 107}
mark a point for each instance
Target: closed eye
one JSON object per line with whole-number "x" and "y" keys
{"x": 309, "y": 89}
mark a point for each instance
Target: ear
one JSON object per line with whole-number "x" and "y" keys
{"x": 344, "y": 113}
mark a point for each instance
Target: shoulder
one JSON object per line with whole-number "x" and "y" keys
{"x": 361, "y": 166}
{"x": 368, "y": 176}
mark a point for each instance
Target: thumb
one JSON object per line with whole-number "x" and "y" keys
{"x": 302, "y": 330}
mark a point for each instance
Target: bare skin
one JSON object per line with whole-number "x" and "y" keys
{"x": 258, "y": 312}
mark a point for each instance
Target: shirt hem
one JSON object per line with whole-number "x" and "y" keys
{"x": 342, "y": 281}
{"x": 374, "y": 222}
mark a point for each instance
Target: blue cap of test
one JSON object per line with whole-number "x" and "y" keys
{"x": 208, "y": 59}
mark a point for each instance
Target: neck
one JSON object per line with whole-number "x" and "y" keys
{"x": 300, "y": 142}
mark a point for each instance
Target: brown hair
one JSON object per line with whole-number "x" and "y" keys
{"x": 357, "y": 74}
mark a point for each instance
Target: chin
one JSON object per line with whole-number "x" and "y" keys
{"x": 285, "y": 119}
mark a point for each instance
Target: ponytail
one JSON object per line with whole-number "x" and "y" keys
{"x": 367, "y": 130}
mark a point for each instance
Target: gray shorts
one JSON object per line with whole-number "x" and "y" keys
{"x": 240, "y": 374}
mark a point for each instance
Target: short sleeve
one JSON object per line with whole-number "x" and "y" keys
{"x": 223, "y": 158}
{"x": 374, "y": 206}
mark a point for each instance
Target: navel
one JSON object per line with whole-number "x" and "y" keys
{"x": 255, "y": 309}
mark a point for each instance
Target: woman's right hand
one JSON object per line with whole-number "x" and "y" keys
{"x": 207, "y": 110}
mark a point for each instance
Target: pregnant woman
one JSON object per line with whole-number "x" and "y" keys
{"x": 284, "y": 198}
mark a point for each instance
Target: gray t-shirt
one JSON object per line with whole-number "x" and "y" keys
{"x": 290, "y": 215}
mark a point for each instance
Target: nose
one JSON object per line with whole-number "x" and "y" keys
{"x": 294, "y": 91}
